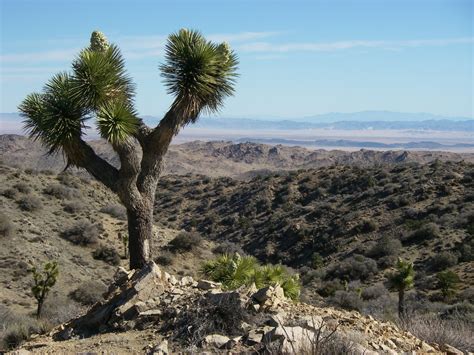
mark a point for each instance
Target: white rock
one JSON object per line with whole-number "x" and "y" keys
{"x": 216, "y": 340}
{"x": 208, "y": 285}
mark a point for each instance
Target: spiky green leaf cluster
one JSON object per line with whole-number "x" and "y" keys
{"x": 403, "y": 277}
{"x": 234, "y": 271}
{"x": 54, "y": 116}
{"x": 98, "y": 86}
{"x": 199, "y": 73}
{"x": 100, "y": 76}
{"x": 116, "y": 120}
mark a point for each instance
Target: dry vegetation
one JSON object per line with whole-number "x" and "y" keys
{"x": 341, "y": 228}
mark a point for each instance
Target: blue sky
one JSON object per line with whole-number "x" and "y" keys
{"x": 297, "y": 58}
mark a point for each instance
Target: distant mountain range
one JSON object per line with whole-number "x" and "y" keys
{"x": 366, "y": 120}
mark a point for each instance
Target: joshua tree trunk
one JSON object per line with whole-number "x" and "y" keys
{"x": 401, "y": 303}
{"x": 140, "y": 230}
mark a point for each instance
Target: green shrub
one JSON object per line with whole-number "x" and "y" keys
{"x": 235, "y": 271}
{"x": 317, "y": 261}
{"x": 89, "y": 292}
{"x": 6, "y": 226}
{"x": 107, "y": 254}
{"x": 30, "y": 203}
{"x": 185, "y": 241}
{"x": 356, "y": 267}
{"x": 82, "y": 233}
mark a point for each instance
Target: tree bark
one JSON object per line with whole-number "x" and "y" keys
{"x": 401, "y": 303}
{"x": 140, "y": 232}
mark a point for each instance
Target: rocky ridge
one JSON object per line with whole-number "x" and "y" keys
{"x": 179, "y": 314}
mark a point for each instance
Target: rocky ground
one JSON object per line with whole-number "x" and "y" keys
{"x": 151, "y": 311}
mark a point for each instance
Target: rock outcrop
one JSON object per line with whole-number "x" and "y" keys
{"x": 188, "y": 315}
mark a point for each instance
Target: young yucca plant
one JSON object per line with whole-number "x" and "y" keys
{"x": 234, "y": 271}
{"x": 198, "y": 73}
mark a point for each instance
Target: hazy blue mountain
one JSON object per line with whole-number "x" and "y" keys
{"x": 367, "y": 120}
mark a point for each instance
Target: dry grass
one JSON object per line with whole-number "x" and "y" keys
{"x": 454, "y": 331}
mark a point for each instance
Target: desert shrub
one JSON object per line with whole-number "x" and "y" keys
{"x": 347, "y": 299}
{"x": 185, "y": 241}
{"x": 235, "y": 270}
{"x": 432, "y": 329}
{"x": 68, "y": 180}
{"x": 356, "y": 267}
{"x": 6, "y": 226}
{"x": 443, "y": 260}
{"x": 365, "y": 226}
{"x": 60, "y": 191}
{"x": 10, "y": 193}
{"x": 74, "y": 207}
{"x": 317, "y": 261}
{"x": 227, "y": 247}
{"x": 20, "y": 330}
{"x": 165, "y": 258}
{"x": 386, "y": 246}
{"x": 116, "y": 211}
{"x": 107, "y": 254}
{"x": 82, "y": 233}
{"x": 329, "y": 288}
{"x": 373, "y": 292}
{"x": 211, "y": 314}
{"x": 425, "y": 232}
{"x": 88, "y": 292}
{"x": 22, "y": 187}
{"x": 59, "y": 309}
{"x": 30, "y": 203}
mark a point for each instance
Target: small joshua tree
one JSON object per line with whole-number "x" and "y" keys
{"x": 448, "y": 282}
{"x": 124, "y": 238}
{"x": 199, "y": 74}
{"x": 43, "y": 282}
{"x": 402, "y": 280}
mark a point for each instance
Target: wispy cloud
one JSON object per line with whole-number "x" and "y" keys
{"x": 266, "y": 47}
{"x": 264, "y": 43}
{"x": 35, "y": 57}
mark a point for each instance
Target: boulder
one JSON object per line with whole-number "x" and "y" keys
{"x": 160, "y": 349}
{"x": 208, "y": 285}
{"x": 451, "y": 350}
{"x": 216, "y": 340}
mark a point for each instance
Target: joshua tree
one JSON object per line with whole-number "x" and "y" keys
{"x": 402, "y": 280}
{"x": 448, "y": 283}
{"x": 198, "y": 73}
{"x": 43, "y": 282}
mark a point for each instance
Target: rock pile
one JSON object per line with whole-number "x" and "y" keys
{"x": 200, "y": 316}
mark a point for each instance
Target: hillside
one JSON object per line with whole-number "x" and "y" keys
{"x": 340, "y": 227}
{"x": 242, "y": 160}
